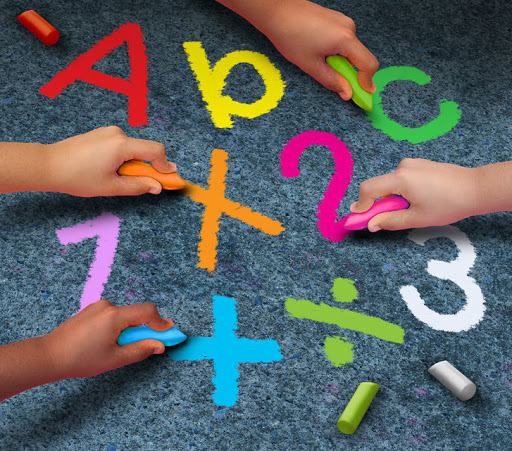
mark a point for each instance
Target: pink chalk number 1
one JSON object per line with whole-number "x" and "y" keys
{"x": 106, "y": 228}
{"x": 343, "y": 166}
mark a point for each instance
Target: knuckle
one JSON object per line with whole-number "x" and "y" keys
{"x": 103, "y": 304}
{"x": 160, "y": 148}
{"x": 114, "y": 129}
{"x": 347, "y": 34}
{"x": 373, "y": 65}
{"x": 406, "y": 163}
{"x": 150, "y": 309}
{"x": 364, "y": 187}
{"x": 349, "y": 23}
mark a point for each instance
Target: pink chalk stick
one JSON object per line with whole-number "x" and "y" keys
{"x": 358, "y": 221}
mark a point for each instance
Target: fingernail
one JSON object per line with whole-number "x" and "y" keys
{"x": 344, "y": 96}
{"x": 154, "y": 190}
{"x": 159, "y": 351}
{"x": 374, "y": 86}
{"x": 169, "y": 321}
{"x": 171, "y": 166}
{"x": 353, "y": 206}
{"x": 375, "y": 229}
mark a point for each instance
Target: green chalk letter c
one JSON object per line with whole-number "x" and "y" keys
{"x": 449, "y": 112}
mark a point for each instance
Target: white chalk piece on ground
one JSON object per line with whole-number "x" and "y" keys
{"x": 453, "y": 380}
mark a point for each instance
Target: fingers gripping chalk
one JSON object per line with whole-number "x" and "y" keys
{"x": 357, "y": 407}
{"x": 358, "y": 221}
{"x": 169, "y": 337}
{"x": 39, "y": 27}
{"x": 170, "y": 181}
{"x": 360, "y": 97}
{"x": 453, "y": 380}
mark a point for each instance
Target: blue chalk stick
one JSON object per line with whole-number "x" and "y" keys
{"x": 169, "y": 337}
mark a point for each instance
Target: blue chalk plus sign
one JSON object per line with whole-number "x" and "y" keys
{"x": 226, "y": 351}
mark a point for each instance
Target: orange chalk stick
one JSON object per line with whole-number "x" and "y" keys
{"x": 170, "y": 181}
{"x": 39, "y": 27}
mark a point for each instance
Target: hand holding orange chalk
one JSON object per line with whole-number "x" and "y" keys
{"x": 170, "y": 181}
{"x": 39, "y": 27}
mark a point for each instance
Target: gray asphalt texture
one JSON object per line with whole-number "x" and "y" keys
{"x": 161, "y": 404}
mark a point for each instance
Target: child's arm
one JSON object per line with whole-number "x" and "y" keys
{"x": 84, "y": 165}
{"x": 439, "y": 193}
{"x": 83, "y": 346}
{"x": 306, "y": 33}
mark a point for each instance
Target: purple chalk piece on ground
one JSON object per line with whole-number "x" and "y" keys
{"x": 358, "y": 221}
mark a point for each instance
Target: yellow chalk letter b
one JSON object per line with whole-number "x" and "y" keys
{"x": 212, "y": 81}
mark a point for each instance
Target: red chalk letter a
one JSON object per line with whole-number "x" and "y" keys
{"x": 135, "y": 87}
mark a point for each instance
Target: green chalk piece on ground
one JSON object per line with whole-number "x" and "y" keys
{"x": 360, "y": 97}
{"x": 357, "y": 407}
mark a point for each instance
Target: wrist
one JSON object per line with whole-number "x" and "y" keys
{"x": 53, "y": 163}
{"x": 51, "y": 365}
{"x": 42, "y": 175}
{"x": 25, "y": 364}
{"x": 493, "y": 183}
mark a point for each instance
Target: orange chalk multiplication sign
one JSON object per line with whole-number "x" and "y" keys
{"x": 135, "y": 88}
{"x": 39, "y": 27}
{"x": 215, "y": 202}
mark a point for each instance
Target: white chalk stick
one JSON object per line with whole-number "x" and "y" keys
{"x": 453, "y": 380}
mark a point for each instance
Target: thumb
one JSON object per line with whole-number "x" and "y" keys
{"x": 129, "y": 185}
{"x": 362, "y": 205}
{"x": 140, "y": 350}
{"x": 393, "y": 220}
{"x": 333, "y": 81}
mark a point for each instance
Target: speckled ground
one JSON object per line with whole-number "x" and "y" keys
{"x": 161, "y": 404}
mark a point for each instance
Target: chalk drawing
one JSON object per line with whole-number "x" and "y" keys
{"x": 457, "y": 271}
{"x": 226, "y": 350}
{"x": 212, "y": 81}
{"x": 338, "y": 351}
{"x": 340, "y": 180}
{"x": 449, "y": 112}
{"x": 135, "y": 87}
{"x": 106, "y": 228}
{"x": 215, "y": 202}
{"x": 344, "y": 290}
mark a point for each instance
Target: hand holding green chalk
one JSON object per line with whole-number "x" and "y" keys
{"x": 341, "y": 65}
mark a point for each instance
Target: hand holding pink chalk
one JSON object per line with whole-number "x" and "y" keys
{"x": 439, "y": 193}
{"x": 358, "y": 221}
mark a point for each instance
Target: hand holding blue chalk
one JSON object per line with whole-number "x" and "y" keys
{"x": 169, "y": 337}
{"x": 360, "y": 97}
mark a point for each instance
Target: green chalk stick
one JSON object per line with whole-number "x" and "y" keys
{"x": 357, "y": 407}
{"x": 360, "y": 97}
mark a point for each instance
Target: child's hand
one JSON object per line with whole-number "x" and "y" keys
{"x": 86, "y": 165}
{"x": 306, "y": 33}
{"x": 86, "y": 344}
{"x": 438, "y": 193}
